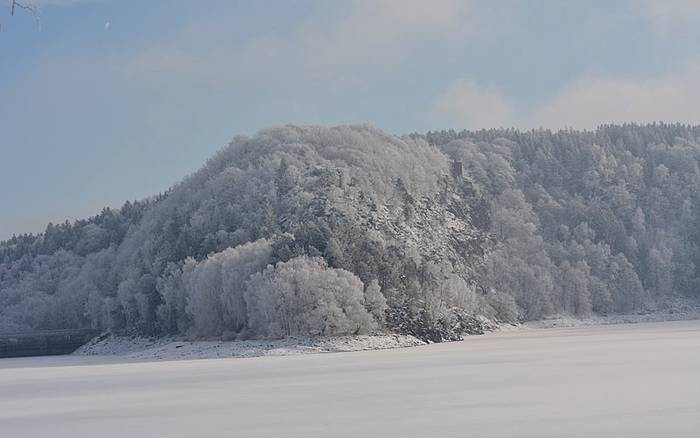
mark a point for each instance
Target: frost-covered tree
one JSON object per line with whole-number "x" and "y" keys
{"x": 614, "y": 208}
{"x": 305, "y": 297}
{"x": 209, "y": 295}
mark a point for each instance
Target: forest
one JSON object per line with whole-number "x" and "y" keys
{"x": 311, "y": 231}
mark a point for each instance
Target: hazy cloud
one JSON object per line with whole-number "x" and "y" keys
{"x": 466, "y": 104}
{"x": 585, "y": 103}
{"x": 593, "y": 101}
{"x": 669, "y": 17}
{"x": 363, "y": 37}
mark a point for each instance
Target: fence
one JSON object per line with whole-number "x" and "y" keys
{"x": 43, "y": 343}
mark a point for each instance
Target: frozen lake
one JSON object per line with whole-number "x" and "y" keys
{"x": 639, "y": 380}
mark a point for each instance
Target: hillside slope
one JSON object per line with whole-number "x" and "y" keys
{"x": 603, "y": 222}
{"x": 348, "y": 218}
{"x": 349, "y": 230}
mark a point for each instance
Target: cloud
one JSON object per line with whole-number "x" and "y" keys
{"x": 669, "y": 17}
{"x": 363, "y": 38}
{"x": 590, "y": 102}
{"x": 585, "y": 103}
{"x": 466, "y": 104}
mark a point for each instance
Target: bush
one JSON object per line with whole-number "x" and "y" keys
{"x": 305, "y": 297}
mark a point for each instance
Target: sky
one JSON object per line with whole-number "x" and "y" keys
{"x": 105, "y": 101}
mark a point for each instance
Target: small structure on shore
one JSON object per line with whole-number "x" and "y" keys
{"x": 43, "y": 343}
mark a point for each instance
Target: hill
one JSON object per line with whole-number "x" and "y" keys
{"x": 298, "y": 230}
{"x": 349, "y": 230}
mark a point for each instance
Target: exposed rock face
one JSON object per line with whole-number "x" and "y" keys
{"x": 438, "y": 226}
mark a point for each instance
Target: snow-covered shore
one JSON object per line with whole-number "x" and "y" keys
{"x": 169, "y": 348}
{"x": 675, "y": 311}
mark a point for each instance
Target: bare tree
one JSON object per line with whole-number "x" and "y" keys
{"x": 27, "y": 6}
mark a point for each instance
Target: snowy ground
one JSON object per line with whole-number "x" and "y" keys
{"x": 632, "y": 380}
{"x": 152, "y": 349}
{"x": 678, "y": 310}
{"x": 172, "y": 349}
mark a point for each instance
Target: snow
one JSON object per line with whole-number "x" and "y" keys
{"x": 121, "y": 348}
{"x": 633, "y": 380}
{"x": 172, "y": 349}
{"x": 678, "y": 310}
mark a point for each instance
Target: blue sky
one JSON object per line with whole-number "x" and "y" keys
{"x": 113, "y": 99}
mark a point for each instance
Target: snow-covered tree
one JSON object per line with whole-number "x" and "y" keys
{"x": 305, "y": 297}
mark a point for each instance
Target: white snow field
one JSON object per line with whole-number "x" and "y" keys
{"x": 638, "y": 380}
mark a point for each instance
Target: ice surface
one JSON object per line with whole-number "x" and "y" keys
{"x": 638, "y": 380}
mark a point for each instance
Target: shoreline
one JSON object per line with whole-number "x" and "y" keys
{"x": 170, "y": 348}
{"x": 173, "y": 348}
{"x": 569, "y": 321}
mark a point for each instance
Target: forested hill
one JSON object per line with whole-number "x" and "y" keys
{"x": 603, "y": 221}
{"x": 316, "y": 231}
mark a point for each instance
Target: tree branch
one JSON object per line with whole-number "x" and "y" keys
{"x": 26, "y": 6}
{"x": 29, "y": 7}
